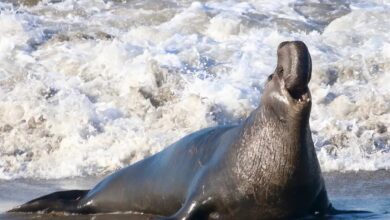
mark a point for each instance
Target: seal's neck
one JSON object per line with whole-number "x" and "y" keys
{"x": 275, "y": 129}
{"x": 273, "y": 146}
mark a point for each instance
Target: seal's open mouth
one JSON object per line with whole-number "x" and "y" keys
{"x": 305, "y": 97}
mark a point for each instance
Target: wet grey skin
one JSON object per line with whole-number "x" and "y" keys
{"x": 263, "y": 168}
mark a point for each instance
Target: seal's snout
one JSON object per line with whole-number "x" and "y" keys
{"x": 294, "y": 67}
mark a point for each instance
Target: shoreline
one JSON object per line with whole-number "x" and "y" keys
{"x": 362, "y": 190}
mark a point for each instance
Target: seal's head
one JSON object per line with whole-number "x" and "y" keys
{"x": 286, "y": 92}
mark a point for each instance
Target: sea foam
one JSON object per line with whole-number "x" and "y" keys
{"x": 87, "y": 87}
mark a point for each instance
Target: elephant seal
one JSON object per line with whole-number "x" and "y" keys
{"x": 265, "y": 167}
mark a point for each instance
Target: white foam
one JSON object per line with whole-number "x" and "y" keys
{"x": 87, "y": 87}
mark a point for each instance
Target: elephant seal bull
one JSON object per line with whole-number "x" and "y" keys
{"x": 265, "y": 167}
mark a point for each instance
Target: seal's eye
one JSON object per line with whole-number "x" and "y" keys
{"x": 270, "y": 77}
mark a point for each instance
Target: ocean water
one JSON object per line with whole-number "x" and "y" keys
{"x": 90, "y": 86}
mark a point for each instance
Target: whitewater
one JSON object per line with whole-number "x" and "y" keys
{"x": 90, "y": 86}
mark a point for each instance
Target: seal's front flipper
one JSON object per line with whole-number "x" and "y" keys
{"x": 62, "y": 201}
{"x": 322, "y": 206}
{"x": 194, "y": 210}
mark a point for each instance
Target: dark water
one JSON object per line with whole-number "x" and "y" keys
{"x": 360, "y": 191}
{"x": 368, "y": 191}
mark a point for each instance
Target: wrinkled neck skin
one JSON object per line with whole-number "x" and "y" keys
{"x": 276, "y": 142}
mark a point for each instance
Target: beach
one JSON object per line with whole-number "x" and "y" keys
{"x": 369, "y": 191}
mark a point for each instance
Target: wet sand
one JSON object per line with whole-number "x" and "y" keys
{"x": 353, "y": 191}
